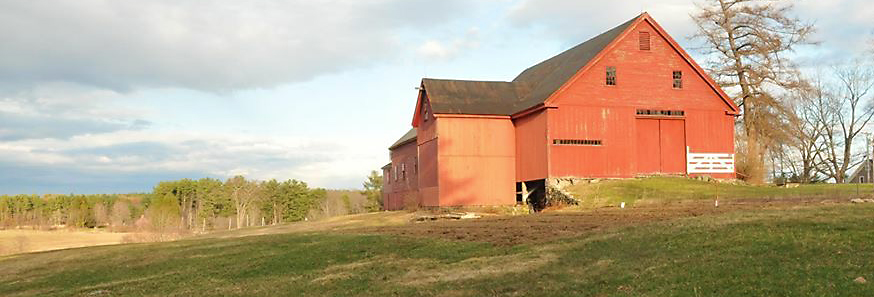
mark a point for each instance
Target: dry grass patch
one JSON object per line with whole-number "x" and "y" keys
{"x": 376, "y": 219}
{"x": 25, "y": 241}
{"x": 476, "y": 268}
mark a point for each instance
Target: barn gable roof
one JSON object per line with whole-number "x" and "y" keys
{"x": 410, "y": 136}
{"x": 473, "y": 97}
{"x": 535, "y": 85}
{"x": 548, "y": 76}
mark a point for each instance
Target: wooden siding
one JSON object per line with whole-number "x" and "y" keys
{"x": 531, "y": 161}
{"x": 401, "y": 187}
{"x": 428, "y": 170}
{"x": 589, "y": 109}
{"x": 476, "y": 159}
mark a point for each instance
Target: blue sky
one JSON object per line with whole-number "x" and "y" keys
{"x": 112, "y": 96}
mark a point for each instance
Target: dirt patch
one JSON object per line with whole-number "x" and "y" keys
{"x": 344, "y": 271}
{"x": 548, "y": 226}
{"x": 481, "y": 267}
{"x": 374, "y": 220}
{"x": 416, "y": 272}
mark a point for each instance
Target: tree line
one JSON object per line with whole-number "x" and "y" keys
{"x": 180, "y": 205}
{"x": 801, "y": 124}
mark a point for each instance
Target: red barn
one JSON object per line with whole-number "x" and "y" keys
{"x": 625, "y": 103}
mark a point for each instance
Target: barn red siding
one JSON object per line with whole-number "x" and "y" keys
{"x": 531, "y": 161}
{"x": 584, "y": 129}
{"x": 428, "y": 170}
{"x": 590, "y": 109}
{"x": 476, "y": 160}
{"x": 610, "y": 125}
{"x": 404, "y": 183}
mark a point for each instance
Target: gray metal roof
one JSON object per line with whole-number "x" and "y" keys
{"x": 532, "y": 87}
{"x": 410, "y": 136}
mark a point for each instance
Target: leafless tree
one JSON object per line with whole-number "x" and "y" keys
{"x": 101, "y": 214}
{"x": 120, "y": 214}
{"x": 747, "y": 41}
{"x": 243, "y": 194}
{"x": 848, "y": 111}
{"x": 801, "y": 154}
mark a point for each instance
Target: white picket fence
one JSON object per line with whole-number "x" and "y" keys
{"x": 709, "y": 162}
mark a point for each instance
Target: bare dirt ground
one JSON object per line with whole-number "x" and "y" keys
{"x": 377, "y": 219}
{"x": 496, "y": 229}
{"x": 25, "y": 241}
{"x": 547, "y": 226}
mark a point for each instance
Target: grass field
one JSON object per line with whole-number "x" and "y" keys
{"x": 669, "y": 189}
{"x": 782, "y": 247}
{"x": 18, "y": 241}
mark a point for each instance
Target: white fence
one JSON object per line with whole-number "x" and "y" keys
{"x": 709, "y": 163}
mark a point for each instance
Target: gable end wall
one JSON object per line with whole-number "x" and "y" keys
{"x": 589, "y": 109}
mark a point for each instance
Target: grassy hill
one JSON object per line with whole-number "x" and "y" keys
{"x": 673, "y": 189}
{"x": 689, "y": 250}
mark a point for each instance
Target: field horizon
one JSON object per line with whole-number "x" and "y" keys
{"x": 653, "y": 247}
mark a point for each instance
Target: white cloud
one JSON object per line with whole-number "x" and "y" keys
{"x": 842, "y": 24}
{"x": 321, "y": 163}
{"x": 63, "y": 110}
{"x": 437, "y": 50}
{"x": 207, "y": 45}
{"x": 580, "y": 20}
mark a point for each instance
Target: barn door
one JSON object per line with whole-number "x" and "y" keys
{"x": 661, "y": 146}
{"x": 672, "y": 137}
{"x": 648, "y": 148}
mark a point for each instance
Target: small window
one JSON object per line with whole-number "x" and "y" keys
{"x": 678, "y": 79}
{"x": 424, "y": 113}
{"x": 586, "y": 142}
{"x": 404, "y": 171}
{"x": 611, "y": 76}
{"x": 644, "y": 41}
{"x": 663, "y": 113}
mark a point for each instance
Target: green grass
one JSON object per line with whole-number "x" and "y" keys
{"x": 812, "y": 251}
{"x": 611, "y": 192}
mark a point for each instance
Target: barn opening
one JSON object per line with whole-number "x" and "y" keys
{"x": 533, "y": 193}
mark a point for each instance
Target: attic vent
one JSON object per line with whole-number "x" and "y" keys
{"x": 644, "y": 41}
{"x": 678, "y": 79}
{"x": 656, "y": 112}
{"x": 611, "y": 75}
{"x": 590, "y": 142}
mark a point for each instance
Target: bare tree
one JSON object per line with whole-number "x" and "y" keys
{"x": 849, "y": 110}
{"x": 120, "y": 214}
{"x": 747, "y": 41}
{"x": 243, "y": 194}
{"x": 101, "y": 214}
{"x": 809, "y": 106}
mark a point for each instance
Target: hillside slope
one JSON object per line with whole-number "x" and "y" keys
{"x": 793, "y": 250}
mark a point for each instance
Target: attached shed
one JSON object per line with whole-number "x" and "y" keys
{"x": 401, "y": 176}
{"x": 627, "y": 102}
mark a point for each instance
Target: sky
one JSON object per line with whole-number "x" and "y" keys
{"x": 113, "y": 96}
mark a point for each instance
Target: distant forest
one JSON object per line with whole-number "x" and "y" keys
{"x": 189, "y": 206}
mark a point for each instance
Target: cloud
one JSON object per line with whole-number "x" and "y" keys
{"x": 60, "y": 110}
{"x": 436, "y": 50}
{"x": 53, "y": 179}
{"x": 147, "y": 154}
{"x": 581, "y": 20}
{"x": 17, "y": 126}
{"x": 576, "y": 21}
{"x": 205, "y": 45}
